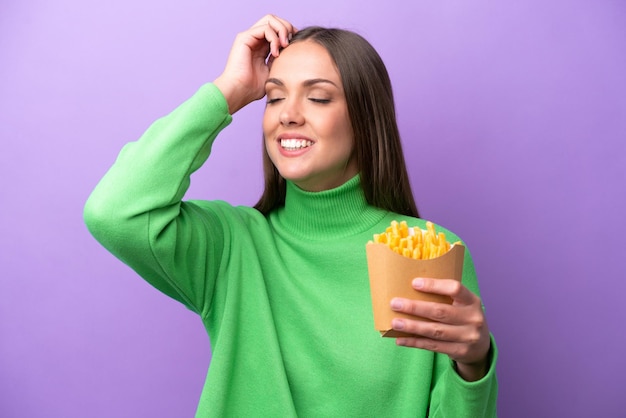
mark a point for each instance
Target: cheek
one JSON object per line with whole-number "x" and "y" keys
{"x": 265, "y": 123}
{"x": 347, "y": 133}
{"x": 270, "y": 123}
{"x": 342, "y": 120}
{"x": 267, "y": 146}
{"x": 267, "y": 137}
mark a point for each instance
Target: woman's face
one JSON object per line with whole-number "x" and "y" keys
{"x": 306, "y": 127}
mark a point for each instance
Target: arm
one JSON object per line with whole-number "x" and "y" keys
{"x": 464, "y": 381}
{"x": 136, "y": 211}
{"x": 452, "y": 396}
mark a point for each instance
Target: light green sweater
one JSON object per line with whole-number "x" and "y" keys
{"x": 284, "y": 298}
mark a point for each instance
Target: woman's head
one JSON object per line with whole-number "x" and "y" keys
{"x": 368, "y": 97}
{"x": 307, "y": 130}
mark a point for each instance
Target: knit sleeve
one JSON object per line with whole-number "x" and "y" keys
{"x": 454, "y": 397}
{"x": 136, "y": 210}
{"x": 451, "y": 395}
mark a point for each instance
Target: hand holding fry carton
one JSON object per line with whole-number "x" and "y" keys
{"x": 399, "y": 255}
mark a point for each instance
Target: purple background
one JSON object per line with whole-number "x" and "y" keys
{"x": 513, "y": 118}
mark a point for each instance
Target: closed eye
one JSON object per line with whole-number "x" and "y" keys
{"x": 270, "y": 101}
{"x": 323, "y": 101}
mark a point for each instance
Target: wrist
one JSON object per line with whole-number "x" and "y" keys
{"x": 230, "y": 91}
{"x": 472, "y": 372}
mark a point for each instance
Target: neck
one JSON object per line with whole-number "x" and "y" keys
{"x": 339, "y": 212}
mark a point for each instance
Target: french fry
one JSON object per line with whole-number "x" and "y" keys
{"x": 414, "y": 242}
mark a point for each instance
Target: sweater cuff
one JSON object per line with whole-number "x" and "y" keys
{"x": 487, "y": 379}
{"x": 218, "y": 99}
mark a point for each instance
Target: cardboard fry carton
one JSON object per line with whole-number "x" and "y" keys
{"x": 391, "y": 275}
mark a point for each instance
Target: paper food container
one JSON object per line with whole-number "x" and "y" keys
{"x": 391, "y": 275}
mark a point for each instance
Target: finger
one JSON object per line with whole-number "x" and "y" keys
{"x": 273, "y": 39}
{"x": 259, "y": 37}
{"x": 281, "y": 28}
{"x": 284, "y": 29}
{"x": 432, "y": 330}
{"x": 447, "y": 287}
{"x": 473, "y": 347}
{"x": 269, "y": 34}
{"x": 454, "y": 350}
{"x": 439, "y": 312}
{"x": 465, "y": 334}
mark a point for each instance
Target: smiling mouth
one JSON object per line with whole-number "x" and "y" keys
{"x": 295, "y": 144}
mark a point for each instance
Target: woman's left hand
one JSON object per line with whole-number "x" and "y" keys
{"x": 459, "y": 330}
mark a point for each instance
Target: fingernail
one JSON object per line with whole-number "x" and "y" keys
{"x": 397, "y": 324}
{"x": 418, "y": 283}
{"x": 396, "y": 304}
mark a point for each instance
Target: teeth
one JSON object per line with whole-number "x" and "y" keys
{"x": 295, "y": 144}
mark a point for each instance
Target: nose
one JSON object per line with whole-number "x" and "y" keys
{"x": 291, "y": 114}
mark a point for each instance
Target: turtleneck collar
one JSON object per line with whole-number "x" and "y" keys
{"x": 338, "y": 212}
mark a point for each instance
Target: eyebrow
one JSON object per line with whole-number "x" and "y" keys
{"x": 306, "y": 83}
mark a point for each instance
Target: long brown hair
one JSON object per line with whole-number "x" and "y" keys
{"x": 371, "y": 108}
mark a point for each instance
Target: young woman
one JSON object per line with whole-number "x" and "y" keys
{"x": 282, "y": 288}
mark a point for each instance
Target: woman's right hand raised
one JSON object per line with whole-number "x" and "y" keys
{"x": 247, "y": 69}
